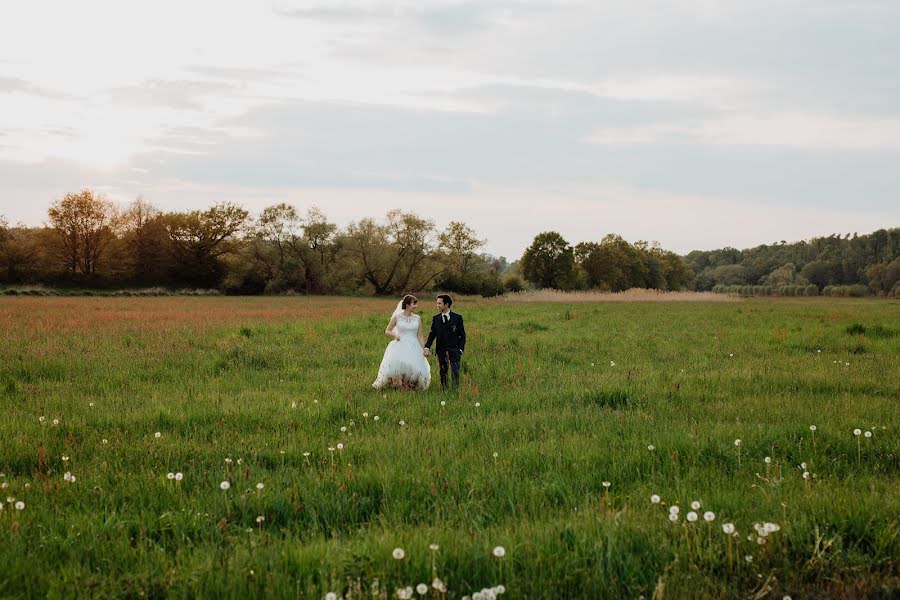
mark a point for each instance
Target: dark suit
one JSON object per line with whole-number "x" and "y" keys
{"x": 451, "y": 342}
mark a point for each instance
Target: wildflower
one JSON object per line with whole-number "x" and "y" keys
{"x": 157, "y": 435}
{"x": 340, "y": 446}
{"x": 651, "y": 448}
{"x": 673, "y": 517}
{"x": 260, "y": 519}
{"x": 375, "y": 418}
{"x": 366, "y": 415}
{"x": 805, "y": 474}
{"x": 433, "y": 547}
{"x": 331, "y": 596}
{"x": 868, "y": 434}
{"x": 422, "y": 589}
{"x": 20, "y": 505}
{"x": 65, "y": 459}
{"x": 496, "y": 454}
{"x": 170, "y": 476}
{"x": 55, "y": 421}
{"x": 105, "y": 441}
{"x": 315, "y": 401}
{"x": 343, "y": 430}
{"x": 224, "y": 485}
{"x": 812, "y": 427}
{"x": 306, "y": 454}
{"x": 748, "y": 558}
{"x": 760, "y": 541}
{"x": 803, "y": 466}
{"x": 91, "y": 404}
{"x": 709, "y": 516}
{"x": 294, "y": 404}
{"x": 228, "y": 461}
{"x": 402, "y": 423}
{"x": 42, "y": 418}
{"x": 443, "y": 403}
{"x": 240, "y": 460}
{"x": 477, "y": 404}
{"x": 695, "y": 504}
{"x": 260, "y": 485}
{"x": 612, "y": 364}
{"x": 728, "y": 528}
{"x": 737, "y": 442}
{"x": 674, "y": 509}
{"x": 398, "y": 553}
{"x": 69, "y": 477}
{"x": 692, "y": 516}
{"x": 771, "y": 527}
{"x": 499, "y": 551}
{"x": 655, "y": 499}
{"x": 768, "y": 460}
{"x": 439, "y": 585}
{"x": 857, "y": 431}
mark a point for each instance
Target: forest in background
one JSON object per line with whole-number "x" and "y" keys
{"x": 89, "y": 242}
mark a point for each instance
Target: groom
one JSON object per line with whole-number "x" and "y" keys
{"x": 448, "y": 329}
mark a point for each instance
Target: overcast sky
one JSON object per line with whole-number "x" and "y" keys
{"x": 696, "y": 123}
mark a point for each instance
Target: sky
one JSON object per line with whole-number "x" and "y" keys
{"x": 699, "y": 124}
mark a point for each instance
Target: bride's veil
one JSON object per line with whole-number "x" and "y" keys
{"x": 397, "y": 311}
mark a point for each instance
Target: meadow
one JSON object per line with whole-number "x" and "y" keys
{"x": 551, "y": 472}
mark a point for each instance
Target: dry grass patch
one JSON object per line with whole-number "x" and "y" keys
{"x": 632, "y": 295}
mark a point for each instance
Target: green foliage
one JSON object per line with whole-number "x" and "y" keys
{"x": 565, "y": 403}
{"x": 549, "y": 262}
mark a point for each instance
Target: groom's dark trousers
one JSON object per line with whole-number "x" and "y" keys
{"x": 450, "y": 335}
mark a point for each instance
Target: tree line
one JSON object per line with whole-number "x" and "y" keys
{"x": 88, "y": 241}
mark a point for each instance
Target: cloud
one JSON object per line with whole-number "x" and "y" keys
{"x": 798, "y": 130}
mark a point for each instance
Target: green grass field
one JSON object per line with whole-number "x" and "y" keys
{"x": 556, "y": 400}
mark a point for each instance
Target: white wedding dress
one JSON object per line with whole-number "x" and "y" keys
{"x": 403, "y": 364}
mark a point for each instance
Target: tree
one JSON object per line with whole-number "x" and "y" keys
{"x": 459, "y": 245}
{"x": 84, "y": 225}
{"x": 393, "y": 257}
{"x": 19, "y": 249}
{"x": 144, "y": 242}
{"x": 201, "y": 239}
{"x": 549, "y": 262}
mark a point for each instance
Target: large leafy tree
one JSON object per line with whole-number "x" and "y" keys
{"x": 200, "y": 240}
{"x": 549, "y": 262}
{"x": 83, "y": 224}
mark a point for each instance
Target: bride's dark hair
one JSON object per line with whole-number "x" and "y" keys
{"x": 407, "y": 300}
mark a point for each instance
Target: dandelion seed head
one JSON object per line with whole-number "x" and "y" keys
{"x": 655, "y": 499}
{"x": 422, "y": 589}
{"x": 157, "y": 435}
{"x": 692, "y": 516}
{"x": 224, "y": 485}
{"x": 260, "y": 519}
{"x": 306, "y": 454}
{"x": 805, "y": 474}
{"x": 331, "y": 596}
{"x": 433, "y": 547}
{"x": 343, "y": 429}
{"x": 709, "y": 516}
{"x": 768, "y": 460}
{"x": 673, "y": 517}
{"x": 260, "y": 485}
{"x": 737, "y": 442}
{"x": 499, "y": 551}
{"x": 695, "y": 505}
{"x": 812, "y": 427}
{"x": 496, "y": 454}
{"x": 674, "y": 509}
{"x": 651, "y": 447}
{"x": 868, "y": 434}
{"x": 20, "y": 505}
{"x": 56, "y": 421}
{"x": 375, "y": 418}
{"x": 398, "y": 553}
{"x": 477, "y": 404}
{"x": 170, "y": 475}
{"x": 803, "y": 466}
{"x": 105, "y": 441}
{"x": 365, "y": 415}
{"x": 606, "y": 484}
{"x": 749, "y": 558}
{"x": 857, "y": 431}
{"x": 443, "y": 403}
{"x": 402, "y": 423}
{"x": 179, "y": 476}
{"x": 340, "y": 446}
{"x": 728, "y": 528}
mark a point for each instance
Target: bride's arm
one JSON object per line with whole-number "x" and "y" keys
{"x": 390, "y": 328}
{"x": 420, "y": 335}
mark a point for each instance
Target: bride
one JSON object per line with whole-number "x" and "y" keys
{"x": 404, "y": 364}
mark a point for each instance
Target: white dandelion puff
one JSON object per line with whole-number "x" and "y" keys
{"x": 170, "y": 475}
{"x": 157, "y": 435}
{"x": 260, "y": 485}
{"x": 695, "y": 505}
{"x": 655, "y": 499}
{"x": 224, "y": 485}
{"x": 692, "y": 516}
{"x": 673, "y": 517}
{"x": 857, "y": 431}
{"x": 20, "y": 505}
{"x": 728, "y": 528}
{"x": 868, "y": 434}
{"x": 499, "y": 551}
{"x": 737, "y": 442}
{"x": 422, "y": 589}
{"x": 709, "y": 516}
{"x": 398, "y": 553}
